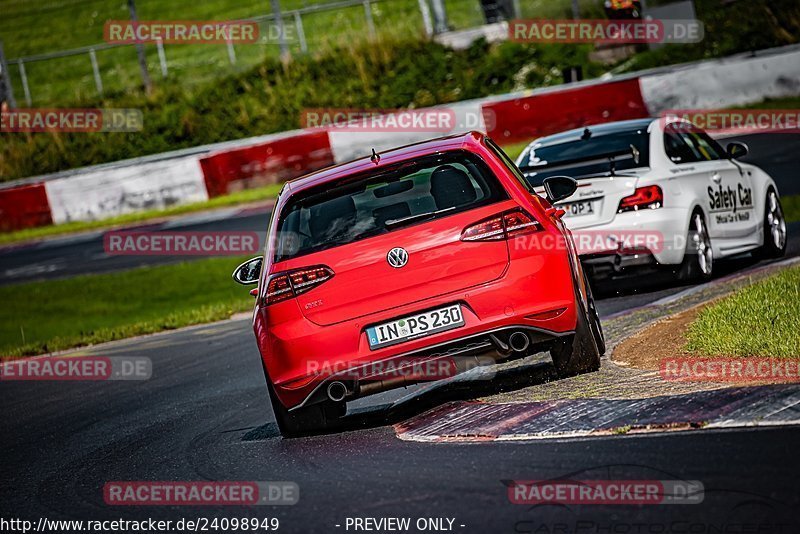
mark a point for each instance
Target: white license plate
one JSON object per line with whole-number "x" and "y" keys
{"x": 579, "y": 209}
{"x": 415, "y": 326}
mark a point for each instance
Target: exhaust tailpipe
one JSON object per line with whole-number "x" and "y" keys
{"x": 519, "y": 342}
{"x": 337, "y": 391}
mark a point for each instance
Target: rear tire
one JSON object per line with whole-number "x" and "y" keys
{"x": 580, "y": 353}
{"x": 698, "y": 260}
{"x": 307, "y": 420}
{"x": 774, "y": 228}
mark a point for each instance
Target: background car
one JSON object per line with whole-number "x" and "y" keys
{"x": 659, "y": 192}
{"x": 436, "y": 252}
{"x": 623, "y": 9}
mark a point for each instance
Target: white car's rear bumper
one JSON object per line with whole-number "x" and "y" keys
{"x": 635, "y": 238}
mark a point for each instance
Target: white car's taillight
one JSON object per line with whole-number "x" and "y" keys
{"x": 650, "y": 196}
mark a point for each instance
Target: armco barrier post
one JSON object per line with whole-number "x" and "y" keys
{"x": 23, "y": 75}
{"x": 162, "y": 58}
{"x": 98, "y": 81}
{"x": 6, "y": 91}
{"x": 301, "y": 34}
{"x": 368, "y": 16}
{"x": 278, "y": 18}
{"x": 439, "y": 16}
{"x": 427, "y": 21}
{"x": 148, "y": 86}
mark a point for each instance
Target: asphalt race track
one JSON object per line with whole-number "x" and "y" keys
{"x": 204, "y": 415}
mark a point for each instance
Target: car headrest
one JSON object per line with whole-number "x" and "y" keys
{"x": 451, "y": 187}
{"x": 332, "y": 219}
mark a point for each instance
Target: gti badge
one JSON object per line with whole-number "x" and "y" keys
{"x": 397, "y": 257}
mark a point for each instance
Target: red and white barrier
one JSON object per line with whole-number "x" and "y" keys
{"x": 106, "y": 192}
{"x": 723, "y": 83}
{"x": 266, "y": 163}
{"x": 544, "y": 113}
{"x": 160, "y": 181}
{"x": 24, "y": 206}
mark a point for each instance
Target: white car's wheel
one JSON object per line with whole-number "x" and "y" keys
{"x": 698, "y": 260}
{"x": 774, "y": 228}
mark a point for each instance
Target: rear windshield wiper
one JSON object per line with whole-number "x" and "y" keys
{"x": 418, "y": 217}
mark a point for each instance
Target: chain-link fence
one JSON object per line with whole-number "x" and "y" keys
{"x": 105, "y": 69}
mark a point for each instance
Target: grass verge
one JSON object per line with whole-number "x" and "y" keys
{"x": 791, "y": 207}
{"x": 387, "y": 73}
{"x": 515, "y": 149}
{"x": 233, "y": 199}
{"x": 760, "y": 320}
{"x": 97, "y": 308}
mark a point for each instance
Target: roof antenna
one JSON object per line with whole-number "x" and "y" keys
{"x": 375, "y": 157}
{"x": 587, "y": 134}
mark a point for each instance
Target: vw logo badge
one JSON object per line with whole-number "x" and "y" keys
{"x": 397, "y": 257}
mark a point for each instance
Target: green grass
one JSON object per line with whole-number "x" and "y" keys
{"x": 515, "y": 149}
{"x": 760, "y": 320}
{"x": 232, "y": 199}
{"x": 791, "y": 207}
{"x": 61, "y": 314}
{"x": 384, "y": 74}
{"x": 730, "y": 27}
{"x": 789, "y": 102}
{"x": 30, "y": 27}
{"x": 206, "y": 100}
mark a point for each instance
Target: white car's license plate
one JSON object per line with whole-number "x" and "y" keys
{"x": 415, "y": 326}
{"x": 578, "y": 209}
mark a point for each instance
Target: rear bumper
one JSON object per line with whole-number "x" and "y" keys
{"x": 636, "y": 238}
{"x": 437, "y": 362}
{"x": 536, "y": 294}
{"x": 610, "y": 265}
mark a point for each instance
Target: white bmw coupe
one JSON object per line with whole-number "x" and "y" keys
{"x": 659, "y": 193}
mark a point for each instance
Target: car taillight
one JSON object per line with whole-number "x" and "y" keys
{"x": 643, "y": 197}
{"x": 503, "y": 226}
{"x": 289, "y": 284}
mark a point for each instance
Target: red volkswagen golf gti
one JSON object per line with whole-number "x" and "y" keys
{"x": 411, "y": 266}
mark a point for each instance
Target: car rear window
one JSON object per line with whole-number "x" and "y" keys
{"x": 385, "y": 200}
{"x": 587, "y": 156}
